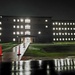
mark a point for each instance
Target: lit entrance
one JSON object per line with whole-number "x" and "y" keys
{"x": 27, "y": 37}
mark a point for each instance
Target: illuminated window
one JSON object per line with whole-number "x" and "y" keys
{"x": 62, "y": 23}
{"x": 14, "y": 39}
{"x": 27, "y": 20}
{"x": 39, "y": 32}
{"x": 56, "y": 23}
{"x": 14, "y": 26}
{"x": 62, "y": 28}
{"x": 0, "y": 23}
{"x": 0, "y": 16}
{"x": 73, "y": 23}
{"x": 59, "y": 23}
{"x": 56, "y": 28}
{"x": 27, "y": 27}
{"x": 27, "y": 33}
{"x": 65, "y": 33}
{"x": 59, "y": 28}
{"x": 59, "y": 33}
{"x": 53, "y": 23}
{"x": 74, "y": 33}
{"x": 74, "y": 38}
{"x": 46, "y": 20}
{"x": 63, "y": 39}
{"x": 60, "y": 39}
{"x": 21, "y": 26}
{"x": 67, "y": 23}
{"x": 53, "y": 33}
{"x": 13, "y": 33}
{"x": 14, "y": 20}
{"x": 62, "y": 33}
{"x": 17, "y": 33}
{"x": 53, "y": 39}
{"x": 18, "y": 20}
{"x": 70, "y": 23}
{"x": 21, "y": 20}
{"x": 21, "y": 39}
{"x": 46, "y": 26}
{"x": 68, "y": 33}
{"x": 0, "y": 28}
{"x": 53, "y": 28}
{"x": 71, "y": 38}
{"x": 71, "y": 33}
{"x": 66, "y": 39}
{"x": 56, "y": 33}
{"x": 21, "y": 33}
{"x": 73, "y": 28}
{"x": 68, "y": 28}
{"x": 65, "y": 28}
{"x": 17, "y": 26}
{"x": 57, "y": 39}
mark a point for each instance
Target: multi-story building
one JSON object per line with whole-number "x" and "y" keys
{"x": 36, "y": 29}
{"x": 63, "y": 30}
{"x": 20, "y": 28}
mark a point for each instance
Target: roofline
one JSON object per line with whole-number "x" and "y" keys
{"x": 27, "y": 16}
{"x": 62, "y": 20}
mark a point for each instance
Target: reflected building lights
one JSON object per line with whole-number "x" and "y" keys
{"x": 40, "y": 62}
{"x": 28, "y": 67}
{"x": 64, "y": 64}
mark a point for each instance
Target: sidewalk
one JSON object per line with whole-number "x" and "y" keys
{"x": 16, "y": 54}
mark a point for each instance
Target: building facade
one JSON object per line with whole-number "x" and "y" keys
{"x": 63, "y": 30}
{"x": 35, "y": 29}
{"x": 18, "y": 29}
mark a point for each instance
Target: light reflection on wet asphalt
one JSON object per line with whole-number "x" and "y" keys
{"x": 38, "y": 67}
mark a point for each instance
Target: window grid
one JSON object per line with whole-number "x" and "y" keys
{"x": 63, "y": 39}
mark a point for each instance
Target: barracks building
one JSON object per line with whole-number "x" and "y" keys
{"x": 36, "y": 29}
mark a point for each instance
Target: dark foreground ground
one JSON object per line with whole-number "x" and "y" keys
{"x": 38, "y": 67}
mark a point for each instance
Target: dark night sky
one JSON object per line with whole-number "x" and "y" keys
{"x": 58, "y": 9}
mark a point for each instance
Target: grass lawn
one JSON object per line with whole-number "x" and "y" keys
{"x": 53, "y": 50}
{"x": 7, "y": 47}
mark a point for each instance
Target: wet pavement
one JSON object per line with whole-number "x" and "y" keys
{"x": 39, "y": 67}
{"x": 20, "y": 50}
{"x": 11, "y": 64}
{"x": 16, "y": 54}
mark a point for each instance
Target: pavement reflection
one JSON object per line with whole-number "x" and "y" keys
{"x": 38, "y": 67}
{"x": 16, "y": 54}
